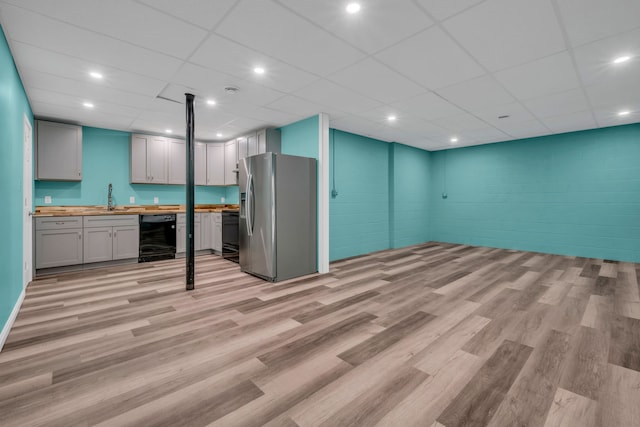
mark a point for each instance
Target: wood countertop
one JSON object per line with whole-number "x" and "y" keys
{"x": 126, "y": 210}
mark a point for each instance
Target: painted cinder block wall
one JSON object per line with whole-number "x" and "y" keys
{"x": 14, "y": 105}
{"x": 573, "y": 194}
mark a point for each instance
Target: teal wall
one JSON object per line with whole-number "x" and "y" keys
{"x": 575, "y": 194}
{"x": 409, "y": 195}
{"x": 301, "y": 138}
{"x": 105, "y": 159}
{"x": 13, "y": 106}
{"x": 359, "y": 215}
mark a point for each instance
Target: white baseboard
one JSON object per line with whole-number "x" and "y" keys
{"x": 12, "y": 318}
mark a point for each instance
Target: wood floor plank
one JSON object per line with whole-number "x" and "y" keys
{"x": 478, "y": 401}
{"x": 437, "y": 334}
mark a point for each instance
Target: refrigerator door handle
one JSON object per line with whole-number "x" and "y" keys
{"x": 253, "y": 205}
{"x": 248, "y": 204}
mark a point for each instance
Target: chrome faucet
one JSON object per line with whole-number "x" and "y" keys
{"x": 110, "y": 198}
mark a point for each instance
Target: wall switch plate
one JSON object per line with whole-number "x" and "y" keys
{"x": 221, "y": 199}
{"x": 132, "y": 199}
{"x": 47, "y": 200}
{"x": 155, "y": 201}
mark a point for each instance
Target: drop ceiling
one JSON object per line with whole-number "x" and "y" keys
{"x": 443, "y": 68}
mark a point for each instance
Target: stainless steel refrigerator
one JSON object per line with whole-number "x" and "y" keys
{"x": 277, "y": 216}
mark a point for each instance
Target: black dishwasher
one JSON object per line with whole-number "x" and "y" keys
{"x": 230, "y": 236}
{"x": 157, "y": 237}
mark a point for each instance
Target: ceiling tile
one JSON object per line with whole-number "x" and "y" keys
{"x": 73, "y": 41}
{"x": 357, "y": 125}
{"x": 212, "y": 83}
{"x": 218, "y": 53}
{"x": 515, "y": 112}
{"x": 124, "y": 20}
{"x": 519, "y": 130}
{"x": 504, "y": 33}
{"x": 607, "y": 117}
{"x": 380, "y": 23}
{"x": 371, "y": 78}
{"x": 85, "y": 118}
{"x": 205, "y": 14}
{"x": 616, "y": 94}
{"x": 578, "y": 120}
{"x": 545, "y": 76}
{"x": 295, "y": 105}
{"x": 52, "y": 63}
{"x": 431, "y": 59}
{"x": 460, "y": 122}
{"x": 427, "y": 105}
{"x": 443, "y": 9}
{"x": 276, "y": 31}
{"x": 589, "y": 20}
{"x": 324, "y": 92}
{"x": 557, "y": 104}
{"x": 595, "y": 60}
{"x": 476, "y": 94}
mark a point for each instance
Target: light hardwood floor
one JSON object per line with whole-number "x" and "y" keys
{"x": 432, "y": 335}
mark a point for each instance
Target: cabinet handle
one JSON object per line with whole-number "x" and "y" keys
{"x": 80, "y": 236}
{"x": 114, "y": 233}
{"x": 79, "y": 174}
{"x": 109, "y": 234}
{"x": 59, "y": 223}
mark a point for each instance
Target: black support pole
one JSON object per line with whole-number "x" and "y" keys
{"x": 190, "y": 194}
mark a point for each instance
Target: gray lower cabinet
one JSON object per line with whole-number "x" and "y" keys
{"x": 206, "y": 224}
{"x": 59, "y": 241}
{"x": 181, "y": 233}
{"x": 216, "y": 232}
{"x": 110, "y": 237}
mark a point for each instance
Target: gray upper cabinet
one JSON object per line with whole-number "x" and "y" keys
{"x": 200, "y": 163}
{"x": 149, "y": 160}
{"x": 252, "y": 145}
{"x": 58, "y": 241}
{"x": 231, "y": 163}
{"x": 58, "y": 151}
{"x": 215, "y": 164}
{"x": 268, "y": 141}
{"x": 176, "y": 149}
{"x": 242, "y": 147}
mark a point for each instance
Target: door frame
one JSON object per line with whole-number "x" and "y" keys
{"x": 27, "y": 205}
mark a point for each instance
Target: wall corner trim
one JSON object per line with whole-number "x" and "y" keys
{"x": 12, "y": 318}
{"x": 323, "y": 193}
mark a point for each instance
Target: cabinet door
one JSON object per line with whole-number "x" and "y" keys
{"x": 205, "y": 230}
{"x": 200, "y": 163}
{"x": 177, "y": 160}
{"x": 231, "y": 163}
{"x": 138, "y": 159}
{"x": 252, "y": 145}
{"x": 157, "y": 167}
{"x": 197, "y": 236}
{"x": 216, "y": 234}
{"x": 242, "y": 147}
{"x": 181, "y": 238}
{"x": 58, "y": 151}
{"x": 215, "y": 164}
{"x": 55, "y": 248}
{"x": 98, "y": 245}
{"x": 126, "y": 242}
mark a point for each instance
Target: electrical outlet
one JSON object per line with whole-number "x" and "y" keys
{"x": 155, "y": 201}
{"x": 221, "y": 199}
{"x": 132, "y": 200}
{"x": 334, "y": 193}
{"x": 47, "y": 200}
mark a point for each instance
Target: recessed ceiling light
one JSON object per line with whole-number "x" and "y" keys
{"x": 168, "y": 131}
{"x": 621, "y": 59}
{"x": 211, "y": 102}
{"x": 454, "y": 140}
{"x": 96, "y": 75}
{"x": 88, "y": 105}
{"x": 353, "y": 8}
{"x": 258, "y": 70}
{"x": 392, "y": 118}
{"x": 219, "y": 135}
{"x": 624, "y": 113}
